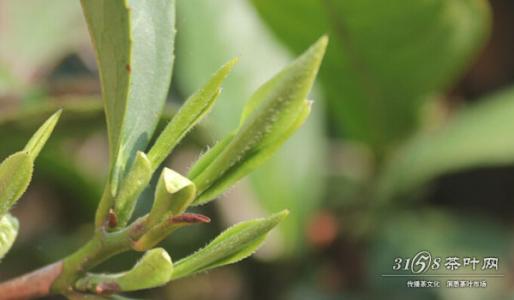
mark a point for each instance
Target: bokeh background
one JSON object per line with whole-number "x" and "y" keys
{"x": 410, "y": 145}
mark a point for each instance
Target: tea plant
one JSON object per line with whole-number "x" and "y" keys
{"x": 134, "y": 46}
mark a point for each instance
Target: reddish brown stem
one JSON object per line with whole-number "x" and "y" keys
{"x": 32, "y": 285}
{"x": 188, "y": 218}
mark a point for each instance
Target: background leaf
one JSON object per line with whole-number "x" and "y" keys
{"x": 378, "y": 69}
{"x": 480, "y": 135}
{"x": 134, "y": 42}
{"x": 17, "y": 126}
{"x": 28, "y": 49}
{"x": 55, "y": 166}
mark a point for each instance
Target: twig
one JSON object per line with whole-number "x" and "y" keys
{"x": 58, "y": 278}
{"x": 32, "y": 285}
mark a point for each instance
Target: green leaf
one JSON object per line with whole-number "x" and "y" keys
{"x": 207, "y": 158}
{"x": 254, "y": 160}
{"x": 293, "y": 177}
{"x": 480, "y": 135}
{"x": 385, "y": 57}
{"x": 192, "y": 112}
{"x": 173, "y": 195}
{"x": 271, "y": 113}
{"x": 133, "y": 185}
{"x": 154, "y": 269}
{"x": 16, "y": 170}
{"x": 39, "y": 139}
{"x": 233, "y": 245}
{"x": 15, "y": 176}
{"x": 8, "y": 231}
{"x": 134, "y": 42}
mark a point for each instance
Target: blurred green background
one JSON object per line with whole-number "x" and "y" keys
{"x": 410, "y": 145}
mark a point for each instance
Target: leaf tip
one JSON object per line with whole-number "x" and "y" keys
{"x": 58, "y": 113}
{"x": 174, "y": 182}
{"x": 227, "y": 68}
{"x": 140, "y": 155}
{"x": 280, "y": 216}
{"x": 314, "y": 55}
{"x": 52, "y": 121}
{"x": 320, "y": 47}
{"x": 323, "y": 40}
{"x": 41, "y": 136}
{"x": 231, "y": 63}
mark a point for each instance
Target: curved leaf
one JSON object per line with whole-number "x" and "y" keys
{"x": 173, "y": 195}
{"x": 153, "y": 270}
{"x": 233, "y": 245}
